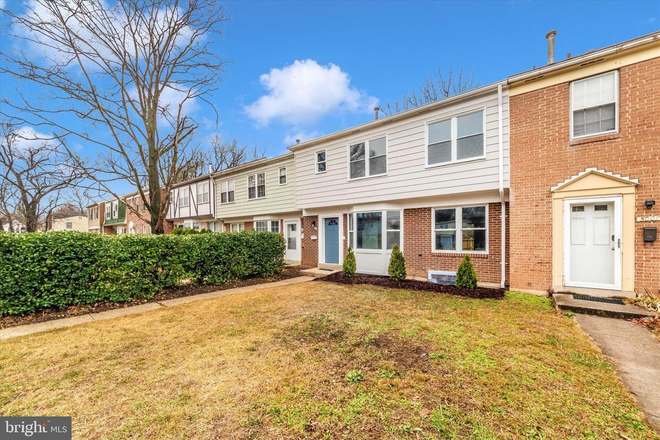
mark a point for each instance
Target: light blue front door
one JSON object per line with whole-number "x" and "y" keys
{"x": 331, "y": 232}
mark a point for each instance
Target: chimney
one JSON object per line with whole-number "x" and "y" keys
{"x": 550, "y": 36}
{"x": 210, "y": 168}
{"x": 376, "y": 110}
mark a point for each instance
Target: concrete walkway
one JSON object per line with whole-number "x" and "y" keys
{"x": 636, "y": 354}
{"x": 29, "y": 329}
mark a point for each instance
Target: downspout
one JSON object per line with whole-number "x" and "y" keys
{"x": 500, "y": 140}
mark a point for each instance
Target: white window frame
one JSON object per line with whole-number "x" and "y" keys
{"x": 69, "y": 225}
{"x": 367, "y": 142}
{"x": 286, "y": 177}
{"x": 115, "y": 209}
{"x": 184, "y": 200}
{"x": 266, "y": 222}
{"x": 352, "y": 230}
{"x": 144, "y": 229}
{"x": 459, "y": 229}
{"x": 317, "y": 162}
{"x": 571, "y": 110}
{"x": 270, "y": 226}
{"x": 239, "y": 226}
{"x": 454, "y": 138}
{"x": 108, "y": 212}
{"x": 224, "y": 189}
{"x": 201, "y": 200}
{"x": 256, "y": 186}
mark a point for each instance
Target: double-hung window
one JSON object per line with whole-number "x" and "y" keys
{"x": 108, "y": 208}
{"x": 368, "y": 158}
{"x": 257, "y": 186}
{"x": 457, "y": 138}
{"x": 115, "y": 210}
{"x": 203, "y": 192}
{"x": 321, "y": 164}
{"x": 283, "y": 176}
{"x": 595, "y": 105}
{"x": 227, "y": 191}
{"x": 184, "y": 198}
{"x": 460, "y": 229}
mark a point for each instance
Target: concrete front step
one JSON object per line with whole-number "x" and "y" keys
{"x": 566, "y": 302}
{"x": 317, "y": 272}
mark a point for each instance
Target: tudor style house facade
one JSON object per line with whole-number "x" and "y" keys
{"x": 585, "y": 172}
{"x": 260, "y": 195}
{"x": 433, "y": 180}
{"x": 192, "y": 205}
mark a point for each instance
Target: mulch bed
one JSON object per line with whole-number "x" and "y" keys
{"x": 175, "y": 292}
{"x": 422, "y": 286}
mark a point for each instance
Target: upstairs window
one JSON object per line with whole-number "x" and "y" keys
{"x": 368, "y": 159}
{"x": 69, "y": 225}
{"x": 320, "y": 162}
{"x": 115, "y": 210}
{"x": 283, "y": 176}
{"x": 456, "y": 139}
{"x": 184, "y": 198}
{"x": 595, "y": 105}
{"x": 257, "y": 186}
{"x": 227, "y": 191}
{"x": 203, "y": 192}
{"x": 108, "y": 208}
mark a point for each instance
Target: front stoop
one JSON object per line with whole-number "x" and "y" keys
{"x": 318, "y": 272}
{"x": 566, "y": 302}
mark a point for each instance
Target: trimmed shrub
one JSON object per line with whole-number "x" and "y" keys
{"x": 58, "y": 269}
{"x": 397, "y": 267}
{"x": 350, "y": 266}
{"x": 466, "y": 276}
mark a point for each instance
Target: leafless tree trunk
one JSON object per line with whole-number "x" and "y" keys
{"x": 36, "y": 172}
{"x": 434, "y": 88}
{"x": 130, "y": 73}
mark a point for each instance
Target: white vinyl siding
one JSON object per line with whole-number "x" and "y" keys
{"x": 279, "y": 198}
{"x": 461, "y": 229}
{"x": 408, "y": 175}
{"x": 367, "y": 159}
{"x": 595, "y": 105}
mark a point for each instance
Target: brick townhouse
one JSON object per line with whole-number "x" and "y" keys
{"x": 585, "y": 172}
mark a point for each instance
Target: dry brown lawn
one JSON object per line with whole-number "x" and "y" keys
{"x": 320, "y": 360}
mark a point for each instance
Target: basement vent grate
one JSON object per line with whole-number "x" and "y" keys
{"x": 602, "y": 300}
{"x": 441, "y": 277}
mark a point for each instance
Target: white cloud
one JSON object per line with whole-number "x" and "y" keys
{"x": 301, "y": 135}
{"x": 27, "y": 137}
{"x": 303, "y": 92}
{"x": 3, "y": 4}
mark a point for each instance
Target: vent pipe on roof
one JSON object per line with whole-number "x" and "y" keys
{"x": 550, "y": 36}
{"x": 376, "y": 110}
{"x": 297, "y": 141}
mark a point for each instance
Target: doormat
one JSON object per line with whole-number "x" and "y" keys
{"x": 597, "y": 299}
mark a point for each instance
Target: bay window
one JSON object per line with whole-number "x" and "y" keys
{"x": 378, "y": 230}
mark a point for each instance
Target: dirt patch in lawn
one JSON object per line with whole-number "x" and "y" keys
{"x": 174, "y": 292}
{"x": 421, "y": 286}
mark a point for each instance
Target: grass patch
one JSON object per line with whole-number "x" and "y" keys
{"x": 320, "y": 360}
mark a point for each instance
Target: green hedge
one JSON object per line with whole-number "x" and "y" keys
{"x": 57, "y": 269}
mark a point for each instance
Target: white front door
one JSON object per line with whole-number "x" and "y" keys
{"x": 292, "y": 240}
{"x": 592, "y": 237}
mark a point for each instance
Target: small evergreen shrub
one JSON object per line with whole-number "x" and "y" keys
{"x": 466, "y": 276}
{"x": 177, "y": 231}
{"x": 349, "y": 266}
{"x": 397, "y": 267}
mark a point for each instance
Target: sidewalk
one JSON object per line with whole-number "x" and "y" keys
{"x": 635, "y": 353}
{"x": 23, "y": 330}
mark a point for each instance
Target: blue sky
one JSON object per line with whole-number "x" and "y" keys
{"x": 328, "y": 62}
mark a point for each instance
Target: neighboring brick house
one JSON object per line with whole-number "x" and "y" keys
{"x": 585, "y": 172}
{"x": 259, "y": 195}
{"x": 138, "y": 217}
{"x": 433, "y": 179}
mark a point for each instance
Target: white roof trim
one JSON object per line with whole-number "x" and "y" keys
{"x": 588, "y": 171}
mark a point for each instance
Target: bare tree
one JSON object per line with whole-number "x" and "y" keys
{"x": 35, "y": 172}
{"x": 7, "y": 203}
{"x": 131, "y": 72}
{"x": 436, "y": 87}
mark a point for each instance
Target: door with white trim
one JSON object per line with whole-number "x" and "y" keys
{"x": 292, "y": 240}
{"x": 592, "y": 240}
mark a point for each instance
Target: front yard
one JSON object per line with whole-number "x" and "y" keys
{"x": 320, "y": 360}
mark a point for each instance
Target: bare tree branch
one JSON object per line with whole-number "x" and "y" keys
{"x": 129, "y": 75}
{"x": 436, "y": 87}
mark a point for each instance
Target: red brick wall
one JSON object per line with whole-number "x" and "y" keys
{"x": 249, "y": 226}
{"x": 418, "y": 247}
{"x": 310, "y": 248}
{"x": 542, "y": 155}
